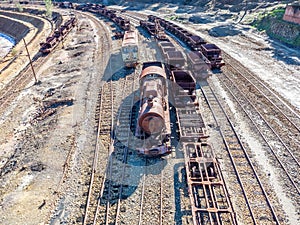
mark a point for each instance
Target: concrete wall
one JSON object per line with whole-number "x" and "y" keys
{"x": 16, "y": 29}
{"x": 13, "y": 28}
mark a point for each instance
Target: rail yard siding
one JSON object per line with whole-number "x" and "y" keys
{"x": 292, "y": 14}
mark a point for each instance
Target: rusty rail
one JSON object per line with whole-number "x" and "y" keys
{"x": 287, "y": 164}
{"x": 242, "y": 164}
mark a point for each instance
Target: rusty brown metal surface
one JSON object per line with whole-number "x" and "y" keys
{"x": 153, "y": 118}
{"x": 152, "y": 68}
{"x": 210, "y": 203}
{"x": 208, "y": 194}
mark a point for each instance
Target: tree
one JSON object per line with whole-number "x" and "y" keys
{"x": 20, "y": 7}
{"x": 49, "y": 7}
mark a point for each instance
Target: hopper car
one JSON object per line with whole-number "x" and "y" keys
{"x": 212, "y": 52}
{"x": 58, "y": 35}
{"x": 198, "y": 64}
{"x": 175, "y": 59}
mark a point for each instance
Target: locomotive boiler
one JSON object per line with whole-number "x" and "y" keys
{"x": 153, "y": 123}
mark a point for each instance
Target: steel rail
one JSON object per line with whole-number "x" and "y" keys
{"x": 265, "y": 139}
{"x": 95, "y": 159}
{"x": 142, "y": 197}
{"x": 110, "y": 161}
{"x": 268, "y": 98}
{"x": 233, "y": 161}
{"x": 125, "y": 154}
{"x": 268, "y": 124}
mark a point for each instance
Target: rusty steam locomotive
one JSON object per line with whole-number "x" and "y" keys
{"x": 153, "y": 123}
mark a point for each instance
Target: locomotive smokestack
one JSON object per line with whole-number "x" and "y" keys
{"x": 150, "y": 101}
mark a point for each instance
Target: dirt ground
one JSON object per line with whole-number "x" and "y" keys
{"x": 37, "y": 150}
{"x": 43, "y": 153}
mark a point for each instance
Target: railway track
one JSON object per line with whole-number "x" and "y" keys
{"x": 117, "y": 169}
{"x": 255, "y": 204}
{"x": 97, "y": 176}
{"x": 135, "y": 190}
{"x": 280, "y": 135}
{"x": 104, "y": 197}
{"x": 151, "y": 206}
{"x": 209, "y": 198}
{"x": 284, "y": 114}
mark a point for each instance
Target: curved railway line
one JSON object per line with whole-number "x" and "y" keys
{"x": 125, "y": 188}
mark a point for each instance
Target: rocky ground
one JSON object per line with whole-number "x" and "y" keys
{"x": 43, "y": 152}
{"x": 41, "y": 147}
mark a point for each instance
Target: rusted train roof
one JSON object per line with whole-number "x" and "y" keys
{"x": 153, "y": 68}
{"x": 130, "y": 38}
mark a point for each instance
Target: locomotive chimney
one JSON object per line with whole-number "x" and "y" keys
{"x": 150, "y": 101}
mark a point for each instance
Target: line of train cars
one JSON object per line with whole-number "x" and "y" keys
{"x": 99, "y": 9}
{"x": 129, "y": 49}
{"x": 195, "y": 62}
{"x": 58, "y": 35}
{"x": 210, "y": 53}
{"x": 158, "y": 86}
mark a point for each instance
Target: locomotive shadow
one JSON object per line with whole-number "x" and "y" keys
{"x": 115, "y": 68}
{"x": 181, "y": 181}
{"x": 136, "y": 166}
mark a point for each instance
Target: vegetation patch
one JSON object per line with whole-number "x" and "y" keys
{"x": 277, "y": 28}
